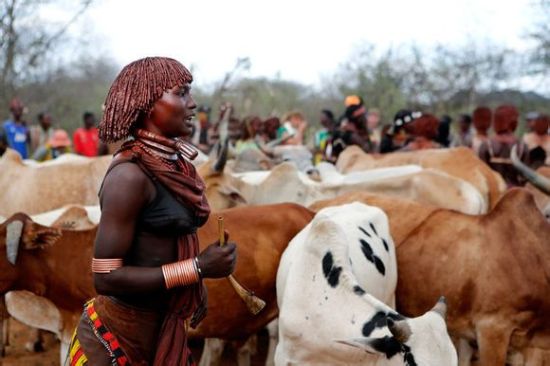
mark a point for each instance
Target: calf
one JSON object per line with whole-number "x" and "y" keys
{"x": 325, "y": 286}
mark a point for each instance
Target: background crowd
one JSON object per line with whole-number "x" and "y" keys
{"x": 491, "y": 134}
{"x": 43, "y": 141}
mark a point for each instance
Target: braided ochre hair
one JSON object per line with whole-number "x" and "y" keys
{"x": 134, "y": 92}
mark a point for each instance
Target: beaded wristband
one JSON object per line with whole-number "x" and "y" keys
{"x": 180, "y": 273}
{"x": 105, "y": 265}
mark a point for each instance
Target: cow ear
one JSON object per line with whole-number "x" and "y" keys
{"x": 387, "y": 346}
{"x": 36, "y": 236}
{"x": 233, "y": 194}
{"x": 33, "y": 310}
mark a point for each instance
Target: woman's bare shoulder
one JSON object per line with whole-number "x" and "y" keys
{"x": 126, "y": 182}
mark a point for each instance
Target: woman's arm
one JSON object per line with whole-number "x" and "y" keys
{"x": 125, "y": 192}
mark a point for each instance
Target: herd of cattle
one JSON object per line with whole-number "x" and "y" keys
{"x": 354, "y": 266}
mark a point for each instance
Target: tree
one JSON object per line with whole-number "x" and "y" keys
{"x": 379, "y": 80}
{"x": 27, "y": 40}
{"x": 541, "y": 36}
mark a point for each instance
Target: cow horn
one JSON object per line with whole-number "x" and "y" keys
{"x": 399, "y": 329}
{"x": 532, "y": 176}
{"x": 13, "y": 237}
{"x": 441, "y": 307}
{"x": 221, "y": 159}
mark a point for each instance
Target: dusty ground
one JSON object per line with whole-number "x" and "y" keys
{"x": 16, "y": 354}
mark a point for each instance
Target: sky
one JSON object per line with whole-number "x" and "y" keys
{"x": 293, "y": 39}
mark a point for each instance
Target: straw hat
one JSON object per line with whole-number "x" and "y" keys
{"x": 60, "y": 138}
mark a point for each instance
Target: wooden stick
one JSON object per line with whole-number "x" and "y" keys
{"x": 253, "y": 303}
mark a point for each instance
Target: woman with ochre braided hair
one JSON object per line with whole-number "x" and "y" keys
{"x": 147, "y": 268}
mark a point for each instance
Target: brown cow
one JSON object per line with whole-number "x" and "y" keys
{"x": 55, "y": 263}
{"x": 541, "y": 198}
{"x": 539, "y": 182}
{"x": 459, "y": 162}
{"x": 493, "y": 269}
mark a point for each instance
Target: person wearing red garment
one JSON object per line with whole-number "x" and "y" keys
{"x": 86, "y": 139}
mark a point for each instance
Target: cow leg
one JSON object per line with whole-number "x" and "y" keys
{"x": 4, "y": 330}
{"x": 273, "y": 330}
{"x": 35, "y": 342}
{"x": 4, "y": 334}
{"x": 536, "y": 357}
{"x": 245, "y": 352}
{"x": 212, "y": 352}
{"x": 515, "y": 359}
{"x": 465, "y": 352}
{"x": 493, "y": 338}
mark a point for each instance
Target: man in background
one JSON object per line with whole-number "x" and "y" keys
{"x": 16, "y": 133}
{"x": 464, "y": 136}
{"x": 324, "y": 136}
{"x": 482, "y": 119}
{"x": 40, "y": 134}
{"x": 373, "y": 124}
{"x": 86, "y": 139}
{"x": 497, "y": 149}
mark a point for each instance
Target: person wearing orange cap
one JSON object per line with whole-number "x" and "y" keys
{"x": 58, "y": 144}
{"x": 15, "y": 131}
{"x": 355, "y": 127}
{"x": 497, "y": 149}
{"x": 352, "y": 100}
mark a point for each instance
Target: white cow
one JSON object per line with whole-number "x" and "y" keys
{"x": 285, "y": 183}
{"x": 325, "y": 286}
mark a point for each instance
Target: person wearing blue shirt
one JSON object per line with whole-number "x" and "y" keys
{"x": 15, "y": 130}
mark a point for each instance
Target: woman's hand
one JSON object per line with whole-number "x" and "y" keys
{"x": 218, "y": 261}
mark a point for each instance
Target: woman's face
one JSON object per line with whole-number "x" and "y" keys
{"x": 173, "y": 112}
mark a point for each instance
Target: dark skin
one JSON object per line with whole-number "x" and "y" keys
{"x": 17, "y": 113}
{"x": 464, "y": 125}
{"x": 45, "y": 122}
{"x": 326, "y": 122}
{"x": 140, "y": 281}
{"x": 89, "y": 122}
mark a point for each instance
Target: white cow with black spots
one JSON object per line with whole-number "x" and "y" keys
{"x": 334, "y": 284}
